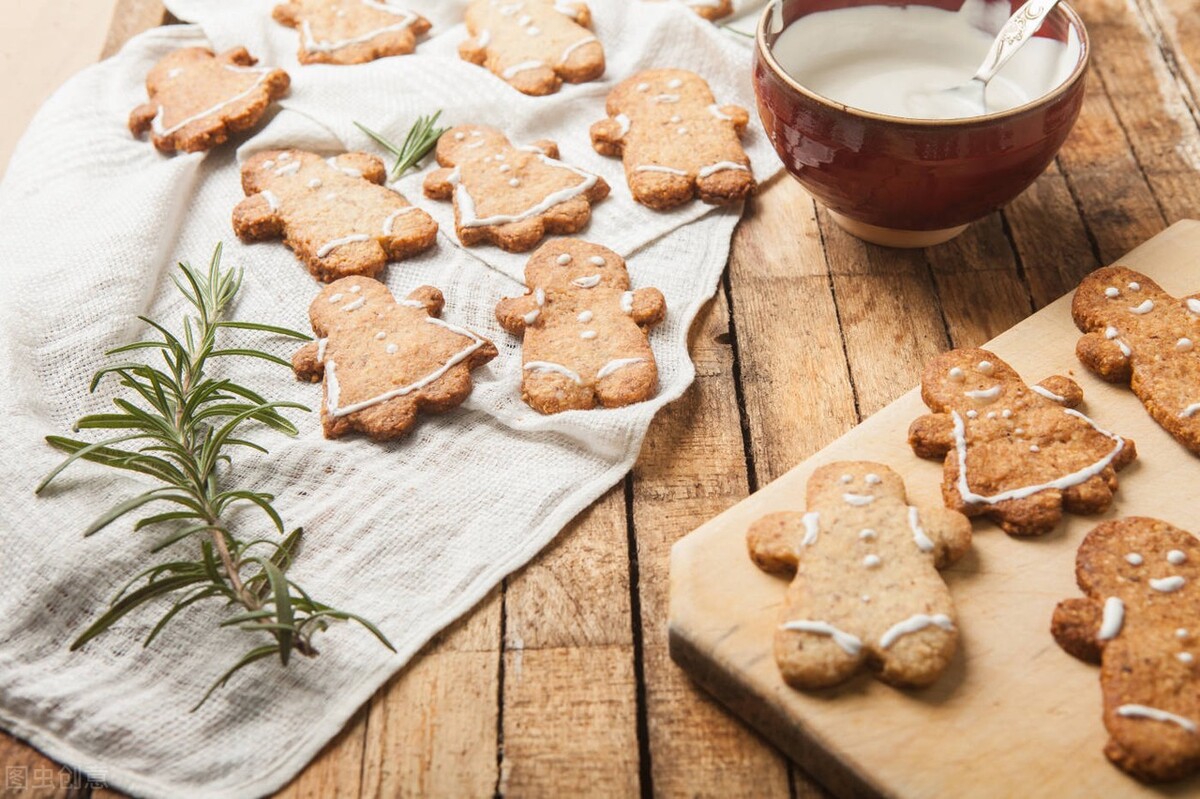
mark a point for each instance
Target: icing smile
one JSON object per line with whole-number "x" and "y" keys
{"x": 985, "y": 394}
{"x": 858, "y": 500}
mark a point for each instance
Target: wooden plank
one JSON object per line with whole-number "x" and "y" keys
{"x": 432, "y": 730}
{"x": 1010, "y": 692}
{"x": 28, "y": 774}
{"x": 570, "y": 692}
{"x": 130, "y": 18}
{"x": 337, "y": 771}
{"x": 693, "y": 466}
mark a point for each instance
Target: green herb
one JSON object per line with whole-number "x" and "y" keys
{"x": 180, "y": 426}
{"x": 421, "y": 138}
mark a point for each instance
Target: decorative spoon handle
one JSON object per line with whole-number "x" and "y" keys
{"x": 1019, "y": 29}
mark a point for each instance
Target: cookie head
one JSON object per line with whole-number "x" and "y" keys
{"x": 853, "y": 484}
{"x": 1145, "y": 557}
{"x": 967, "y": 379}
{"x": 463, "y": 142}
{"x": 659, "y": 87}
{"x": 575, "y": 265}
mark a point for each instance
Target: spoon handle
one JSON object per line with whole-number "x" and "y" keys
{"x": 1019, "y": 29}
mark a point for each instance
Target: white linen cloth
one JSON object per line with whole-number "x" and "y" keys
{"x": 410, "y": 534}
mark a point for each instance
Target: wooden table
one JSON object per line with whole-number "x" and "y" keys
{"x": 559, "y": 683}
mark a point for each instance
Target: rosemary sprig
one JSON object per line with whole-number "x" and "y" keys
{"x": 185, "y": 425}
{"x": 421, "y": 138}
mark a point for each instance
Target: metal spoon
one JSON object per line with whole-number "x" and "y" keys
{"x": 1019, "y": 29}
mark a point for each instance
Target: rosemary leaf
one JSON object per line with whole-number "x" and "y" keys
{"x": 421, "y": 138}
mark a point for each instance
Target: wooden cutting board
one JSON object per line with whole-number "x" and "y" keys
{"x": 1014, "y": 715}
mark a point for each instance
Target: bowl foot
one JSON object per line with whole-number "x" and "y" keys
{"x": 892, "y": 237}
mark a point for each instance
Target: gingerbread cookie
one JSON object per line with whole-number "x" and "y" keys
{"x": 711, "y": 10}
{"x": 1017, "y": 454}
{"x": 1141, "y": 335}
{"x": 385, "y": 360}
{"x": 332, "y": 212}
{"x": 585, "y": 331}
{"x": 511, "y": 196}
{"x": 351, "y": 31}
{"x": 534, "y": 45}
{"x": 197, "y": 99}
{"x": 866, "y": 588}
{"x": 1141, "y": 622}
{"x": 676, "y": 141}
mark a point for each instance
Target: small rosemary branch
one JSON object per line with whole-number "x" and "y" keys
{"x": 421, "y": 138}
{"x": 186, "y": 424}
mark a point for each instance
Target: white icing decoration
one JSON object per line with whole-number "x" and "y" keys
{"x": 914, "y": 624}
{"x": 288, "y": 169}
{"x": 988, "y": 394}
{"x": 858, "y": 500}
{"x": 991, "y": 415}
{"x": 1114, "y": 618}
{"x": 272, "y": 200}
{"x": 1189, "y": 410}
{"x": 871, "y": 561}
{"x": 850, "y": 644}
{"x": 666, "y": 98}
{"x": 715, "y": 110}
{"x": 985, "y": 367}
{"x": 623, "y": 124}
{"x": 330, "y": 196}
{"x": 466, "y": 205}
{"x": 330, "y": 246}
{"x": 674, "y": 83}
{"x": 1007, "y": 414}
{"x": 336, "y": 297}
{"x": 1193, "y": 305}
{"x": 1066, "y": 481}
{"x": 675, "y": 120}
{"x": 811, "y": 528}
{"x": 1168, "y": 585}
{"x": 1184, "y": 345}
{"x": 591, "y": 281}
{"x": 315, "y": 183}
{"x": 523, "y": 66}
{"x": 919, "y": 536}
{"x": 524, "y": 20}
{"x": 322, "y": 343}
{"x": 615, "y": 364}
{"x": 1176, "y": 557}
{"x": 1134, "y": 559}
{"x": 411, "y": 303}
{"x": 587, "y": 334}
{"x": 1145, "y": 308}
{"x": 156, "y": 124}
{"x": 286, "y": 156}
{"x": 387, "y": 223}
{"x": 175, "y": 73}
{"x": 670, "y": 170}
{"x": 333, "y": 393}
{"x": 1112, "y": 292}
{"x": 547, "y": 366}
{"x": 355, "y": 305}
{"x": 532, "y": 30}
{"x": 596, "y": 260}
{"x": 1185, "y": 657}
{"x": 380, "y": 336}
{"x": 460, "y": 136}
{"x": 267, "y": 164}
{"x": 627, "y": 302}
{"x": 575, "y": 46}
{"x": 681, "y": 131}
{"x": 641, "y": 87}
{"x": 1181, "y": 632}
{"x": 720, "y": 166}
{"x": 1034, "y": 448}
{"x": 873, "y": 479}
{"x": 391, "y": 349}
{"x": 956, "y": 374}
{"x": 865, "y": 597}
{"x": 539, "y": 295}
{"x": 1048, "y": 394}
{"x": 585, "y": 316}
{"x": 532, "y": 316}
{"x": 866, "y": 534}
{"x": 1135, "y": 286}
{"x": 356, "y": 289}
{"x": 846, "y": 478}
{"x": 1111, "y": 334}
{"x": 345, "y": 170}
{"x": 514, "y": 182}
{"x": 310, "y": 43}
{"x": 1144, "y": 711}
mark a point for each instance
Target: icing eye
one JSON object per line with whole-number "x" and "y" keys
{"x": 846, "y": 478}
{"x": 874, "y": 479}
{"x": 1133, "y": 559}
{"x": 972, "y": 414}
{"x": 643, "y": 87}
{"x": 596, "y": 260}
{"x": 1112, "y": 292}
{"x": 1146, "y": 307}
{"x": 1176, "y": 557}
{"x": 871, "y": 561}
{"x": 991, "y": 414}
{"x": 1184, "y": 345}
{"x": 1134, "y": 286}
{"x": 564, "y": 259}
{"x": 1181, "y": 632}
{"x": 1111, "y": 332}
{"x": 1006, "y": 413}
{"x": 355, "y": 289}
{"x": 956, "y": 374}
{"x": 674, "y": 83}
{"x": 866, "y": 534}
{"x": 476, "y": 133}
{"x": 985, "y": 367}
{"x": 460, "y": 136}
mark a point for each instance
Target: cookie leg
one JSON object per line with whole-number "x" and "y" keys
{"x": 203, "y": 134}
{"x": 813, "y": 660}
{"x": 568, "y": 217}
{"x": 550, "y": 392}
{"x": 417, "y": 234}
{"x": 725, "y": 186}
{"x": 520, "y": 236}
{"x": 1091, "y": 496}
{"x": 1033, "y": 515}
{"x": 352, "y": 258}
{"x": 919, "y": 658}
{"x": 536, "y": 81}
{"x": 628, "y": 384}
{"x": 387, "y": 420}
{"x": 585, "y": 63}
{"x": 659, "y": 190}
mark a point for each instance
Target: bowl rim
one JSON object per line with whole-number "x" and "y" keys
{"x": 1073, "y": 19}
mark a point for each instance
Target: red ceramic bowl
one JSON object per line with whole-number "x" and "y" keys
{"x": 909, "y": 182}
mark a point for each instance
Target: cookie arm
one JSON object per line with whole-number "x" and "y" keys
{"x": 285, "y": 14}
{"x": 239, "y": 56}
{"x": 1075, "y": 625}
{"x": 438, "y": 185}
{"x": 307, "y": 363}
{"x": 471, "y": 51}
{"x": 772, "y": 540}
{"x": 1065, "y": 388}
{"x": 514, "y": 313}
{"x": 649, "y": 307}
{"x": 578, "y": 12}
{"x": 739, "y": 116}
{"x": 548, "y": 147}
{"x": 607, "y": 138}
{"x": 950, "y": 532}
{"x": 931, "y": 435}
{"x": 1104, "y": 356}
{"x": 372, "y": 168}
{"x": 141, "y": 118}
{"x": 431, "y": 298}
{"x": 255, "y": 220}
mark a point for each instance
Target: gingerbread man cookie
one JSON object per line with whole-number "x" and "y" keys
{"x": 676, "y": 141}
{"x": 1017, "y": 454}
{"x": 197, "y": 99}
{"x": 534, "y": 45}
{"x": 385, "y": 360}
{"x": 1141, "y": 335}
{"x": 351, "y": 31}
{"x": 585, "y": 330}
{"x": 1141, "y": 622}
{"x": 866, "y": 588}
{"x": 332, "y": 212}
{"x": 508, "y": 195}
